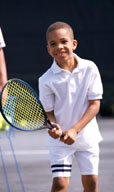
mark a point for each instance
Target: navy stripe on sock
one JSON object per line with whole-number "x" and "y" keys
{"x": 60, "y": 165}
{"x": 61, "y": 170}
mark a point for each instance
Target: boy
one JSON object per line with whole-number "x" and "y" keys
{"x": 70, "y": 92}
{"x": 3, "y": 71}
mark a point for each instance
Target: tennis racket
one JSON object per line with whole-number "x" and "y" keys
{"x": 21, "y": 107}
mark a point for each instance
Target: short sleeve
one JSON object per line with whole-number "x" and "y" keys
{"x": 46, "y": 96}
{"x": 95, "y": 89}
{"x": 2, "y": 43}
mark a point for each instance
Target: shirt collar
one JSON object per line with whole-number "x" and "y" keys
{"x": 56, "y": 69}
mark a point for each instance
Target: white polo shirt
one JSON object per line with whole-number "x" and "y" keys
{"x": 2, "y": 43}
{"x": 67, "y": 94}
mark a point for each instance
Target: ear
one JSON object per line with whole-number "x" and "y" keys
{"x": 75, "y": 43}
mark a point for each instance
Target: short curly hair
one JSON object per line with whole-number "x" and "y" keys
{"x": 59, "y": 25}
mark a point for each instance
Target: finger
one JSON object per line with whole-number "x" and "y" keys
{"x": 50, "y": 131}
{"x": 53, "y": 130}
{"x": 69, "y": 141}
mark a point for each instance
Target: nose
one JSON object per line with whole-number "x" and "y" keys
{"x": 59, "y": 46}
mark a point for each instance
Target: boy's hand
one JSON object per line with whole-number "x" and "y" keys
{"x": 69, "y": 136}
{"x": 55, "y": 132}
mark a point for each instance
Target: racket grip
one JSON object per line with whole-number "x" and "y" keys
{"x": 62, "y": 135}
{"x": 52, "y": 126}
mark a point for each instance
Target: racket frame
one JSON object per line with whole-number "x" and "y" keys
{"x": 34, "y": 92}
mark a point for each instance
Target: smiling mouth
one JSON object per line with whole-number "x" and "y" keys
{"x": 60, "y": 54}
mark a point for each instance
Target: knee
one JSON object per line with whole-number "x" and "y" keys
{"x": 59, "y": 184}
{"x": 91, "y": 184}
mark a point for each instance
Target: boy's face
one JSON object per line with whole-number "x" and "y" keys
{"x": 61, "y": 45}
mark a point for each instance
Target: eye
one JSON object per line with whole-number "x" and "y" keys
{"x": 64, "y": 41}
{"x": 52, "y": 44}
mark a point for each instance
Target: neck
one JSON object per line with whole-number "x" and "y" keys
{"x": 69, "y": 65}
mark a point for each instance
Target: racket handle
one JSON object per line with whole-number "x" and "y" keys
{"x": 52, "y": 126}
{"x": 62, "y": 135}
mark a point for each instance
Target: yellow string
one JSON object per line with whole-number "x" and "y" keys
{"x": 21, "y": 106}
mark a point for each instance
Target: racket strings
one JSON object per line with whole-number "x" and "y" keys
{"x": 21, "y": 107}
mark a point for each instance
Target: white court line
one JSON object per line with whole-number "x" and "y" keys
{"x": 27, "y": 152}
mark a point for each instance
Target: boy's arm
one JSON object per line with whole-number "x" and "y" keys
{"x": 92, "y": 110}
{"x": 55, "y": 132}
{"x": 3, "y": 71}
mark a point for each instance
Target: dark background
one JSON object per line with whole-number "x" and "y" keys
{"x": 24, "y": 24}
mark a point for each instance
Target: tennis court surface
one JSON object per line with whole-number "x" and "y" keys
{"x": 28, "y": 168}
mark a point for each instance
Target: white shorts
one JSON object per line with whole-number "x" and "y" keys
{"x": 61, "y": 161}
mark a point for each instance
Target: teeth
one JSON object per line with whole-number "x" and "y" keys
{"x": 60, "y": 53}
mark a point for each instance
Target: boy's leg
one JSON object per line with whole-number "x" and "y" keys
{"x": 60, "y": 184}
{"x": 90, "y": 183}
{"x": 61, "y": 165}
{"x": 88, "y": 162}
